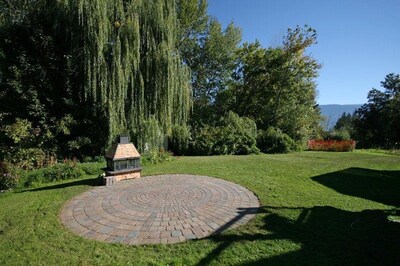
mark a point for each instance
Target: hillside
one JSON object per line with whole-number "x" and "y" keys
{"x": 333, "y": 112}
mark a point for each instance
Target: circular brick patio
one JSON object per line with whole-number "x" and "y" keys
{"x": 159, "y": 209}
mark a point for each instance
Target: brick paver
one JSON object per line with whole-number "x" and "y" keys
{"x": 159, "y": 209}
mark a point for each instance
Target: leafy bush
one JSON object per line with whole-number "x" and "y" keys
{"x": 234, "y": 135}
{"x": 28, "y": 178}
{"x": 331, "y": 145}
{"x": 21, "y": 147}
{"x": 54, "y": 173}
{"x": 62, "y": 171}
{"x": 8, "y": 176}
{"x": 229, "y": 140}
{"x": 179, "y": 141}
{"x": 155, "y": 156}
{"x": 341, "y": 134}
{"x": 273, "y": 140}
{"x": 28, "y": 159}
{"x": 91, "y": 168}
{"x": 95, "y": 159}
{"x": 243, "y": 124}
{"x": 203, "y": 140}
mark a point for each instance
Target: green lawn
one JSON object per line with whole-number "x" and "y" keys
{"x": 317, "y": 208}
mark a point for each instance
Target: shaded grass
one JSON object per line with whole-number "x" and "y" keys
{"x": 317, "y": 208}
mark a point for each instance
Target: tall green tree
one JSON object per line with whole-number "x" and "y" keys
{"x": 212, "y": 67}
{"x": 276, "y": 86}
{"x": 39, "y": 77}
{"x": 192, "y": 25}
{"x": 377, "y": 123}
{"x": 113, "y": 66}
{"x": 209, "y": 51}
{"x": 132, "y": 67}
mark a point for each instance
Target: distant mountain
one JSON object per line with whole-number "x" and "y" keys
{"x": 333, "y": 112}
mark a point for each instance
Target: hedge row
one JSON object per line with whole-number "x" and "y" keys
{"x": 331, "y": 145}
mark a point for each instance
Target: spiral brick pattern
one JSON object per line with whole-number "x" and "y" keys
{"x": 159, "y": 209}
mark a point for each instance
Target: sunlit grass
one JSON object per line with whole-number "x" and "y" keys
{"x": 317, "y": 208}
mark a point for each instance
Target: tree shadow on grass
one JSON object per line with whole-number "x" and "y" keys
{"x": 375, "y": 185}
{"x": 326, "y": 235}
{"x": 83, "y": 182}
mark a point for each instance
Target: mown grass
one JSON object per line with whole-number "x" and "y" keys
{"x": 317, "y": 208}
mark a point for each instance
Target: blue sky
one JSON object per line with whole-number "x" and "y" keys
{"x": 358, "y": 40}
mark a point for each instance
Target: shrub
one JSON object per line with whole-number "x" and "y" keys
{"x": 273, "y": 140}
{"x": 28, "y": 159}
{"x": 99, "y": 159}
{"x": 203, "y": 140}
{"x": 62, "y": 171}
{"x": 87, "y": 159}
{"x": 230, "y": 140}
{"x": 341, "y": 134}
{"x": 155, "y": 156}
{"x": 21, "y": 148}
{"x": 28, "y": 178}
{"x": 331, "y": 145}
{"x": 91, "y": 168}
{"x": 242, "y": 124}
{"x": 95, "y": 159}
{"x": 8, "y": 176}
{"x": 234, "y": 135}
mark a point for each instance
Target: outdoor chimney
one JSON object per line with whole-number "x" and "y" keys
{"x": 123, "y": 161}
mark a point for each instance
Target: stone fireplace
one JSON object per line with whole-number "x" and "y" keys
{"x": 123, "y": 162}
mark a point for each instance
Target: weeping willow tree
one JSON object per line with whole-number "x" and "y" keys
{"x": 132, "y": 71}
